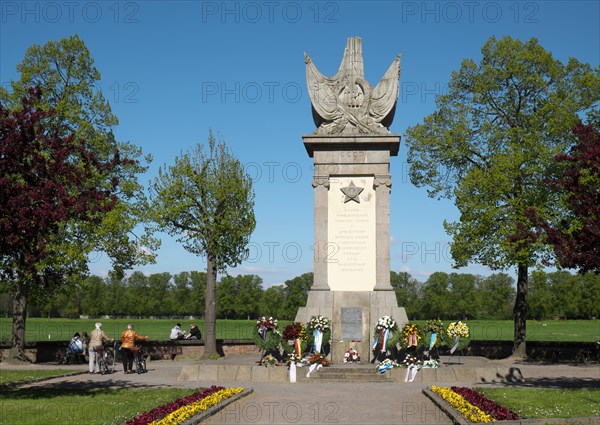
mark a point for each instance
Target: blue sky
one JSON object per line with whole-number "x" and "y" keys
{"x": 173, "y": 69}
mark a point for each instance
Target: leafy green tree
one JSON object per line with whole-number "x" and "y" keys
{"x": 464, "y": 298}
{"x": 434, "y": 297}
{"x": 497, "y": 296}
{"x": 94, "y": 292}
{"x": 116, "y": 299}
{"x": 198, "y": 293}
{"x": 206, "y": 200}
{"x": 272, "y": 302}
{"x": 46, "y": 184}
{"x": 296, "y": 294}
{"x": 540, "y": 297}
{"x": 566, "y": 292}
{"x": 590, "y": 297}
{"x": 490, "y": 145}
{"x": 406, "y": 288}
{"x": 180, "y": 295}
{"x": 158, "y": 300}
{"x": 65, "y": 72}
{"x": 238, "y": 297}
{"x": 137, "y": 293}
{"x": 71, "y": 107}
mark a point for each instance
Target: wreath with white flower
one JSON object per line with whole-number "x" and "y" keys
{"x": 387, "y": 334}
{"x": 267, "y": 336}
{"x": 458, "y": 330}
{"x": 410, "y": 360}
{"x": 386, "y": 365}
{"x": 319, "y": 332}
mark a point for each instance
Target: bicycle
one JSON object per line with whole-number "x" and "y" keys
{"x": 140, "y": 358}
{"x": 106, "y": 359}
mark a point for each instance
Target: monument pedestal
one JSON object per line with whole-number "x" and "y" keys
{"x": 353, "y": 318}
{"x": 352, "y": 238}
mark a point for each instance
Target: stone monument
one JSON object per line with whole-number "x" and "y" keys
{"x": 351, "y": 150}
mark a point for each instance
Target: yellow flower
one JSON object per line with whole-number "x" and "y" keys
{"x": 184, "y": 413}
{"x": 472, "y": 413}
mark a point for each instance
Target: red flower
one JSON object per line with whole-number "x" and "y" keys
{"x": 162, "y": 411}
{"x": 490, "y": 407}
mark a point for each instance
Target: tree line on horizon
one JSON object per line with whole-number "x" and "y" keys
{"x": 462, "y": 296}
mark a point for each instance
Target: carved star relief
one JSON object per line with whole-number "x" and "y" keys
{"x": 352, "y": 191}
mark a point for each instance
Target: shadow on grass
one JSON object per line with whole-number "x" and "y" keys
{"x": 561, "y": 382}
{"x": 67, "y": 387}
{"x": 542, "y": 382}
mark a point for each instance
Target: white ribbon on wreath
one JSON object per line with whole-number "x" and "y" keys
{"x": 318, "y": 340}
{"x": 412, "y": 370}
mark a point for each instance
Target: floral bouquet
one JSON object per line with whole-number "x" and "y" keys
{"x": 317, "y": 359}
{"x": 411, "y": 335}
{"x": 269, "y": 360}
{"x": 386, "y": 365}
{"x": 431, "y": 364}
{"x": 351, "y": 356}
{"x": 412, "y": 366}
{"x": 411, "y": 361}
{"x": 320, "y": 329}
{"x": 387, "y": 334}
{"x": 296, "y": 337}
{"x": 295, "y": 330}
{"x": 294, "y": 358}
{"x": 436, "y": 329}
{"x": 266, "y": 323}
{"x": 319, "y": 322}
{"x": 267, "y": 336}
{"x": 457, "y": 330}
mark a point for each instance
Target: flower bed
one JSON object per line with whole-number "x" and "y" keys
{"x": 184, "y": 408}
{"x": 498, "y": 412}
{"x": 474, "y": 406}
{"x": 469, "y": 411}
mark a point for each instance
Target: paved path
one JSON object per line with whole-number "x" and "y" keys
{"x": 351, "y": 403}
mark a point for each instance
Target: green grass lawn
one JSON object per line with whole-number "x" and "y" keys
{"x": 158, "y": 329}
{"x": 81, "y": 406}
{"x": 547, "y": 402}
{"x": 9, "y": 376}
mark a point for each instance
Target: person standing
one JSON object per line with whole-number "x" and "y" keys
{"x": 128, "y": 347}
{"x": 95, "y": 347}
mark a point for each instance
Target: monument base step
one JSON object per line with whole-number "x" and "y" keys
{"x": 348, "y": 373}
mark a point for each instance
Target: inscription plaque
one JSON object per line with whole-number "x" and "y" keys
{"x": 352, "y": 328}
{"x": 351, "y": 232}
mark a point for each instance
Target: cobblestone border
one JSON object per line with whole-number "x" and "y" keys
{"x": 459, "y": 419}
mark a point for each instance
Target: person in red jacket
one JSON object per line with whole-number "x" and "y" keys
{"x": 128, "y": 347}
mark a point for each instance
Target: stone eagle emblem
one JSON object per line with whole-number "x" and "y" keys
{"x": 346, "y": 103}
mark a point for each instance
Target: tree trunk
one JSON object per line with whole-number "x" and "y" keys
{"x": 520, "y": 313}
{"x": 17, "y": 351}
{"x": 210, "y": 307}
